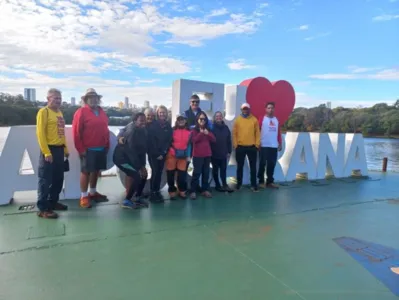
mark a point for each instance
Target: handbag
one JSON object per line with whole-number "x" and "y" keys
{"x": 179, "y": 154}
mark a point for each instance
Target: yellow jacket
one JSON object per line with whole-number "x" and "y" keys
{"x": 246, "y": 132}
{"x": 50, "y": 130}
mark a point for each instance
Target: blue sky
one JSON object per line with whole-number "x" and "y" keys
{"x": 339, "y": 51}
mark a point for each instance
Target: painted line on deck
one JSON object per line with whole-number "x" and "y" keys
{"x": 247, "y": 257}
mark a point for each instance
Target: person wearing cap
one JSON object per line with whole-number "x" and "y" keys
{"x": 50, "y": 131}
{"x": 270, "y": 145}
{"x": 192, "y": 112}
{"x": 91, "y": 139}
{"x": 246, "y": 142}
{"x": 177, "y": 157}
{"x": 159, "y": 141}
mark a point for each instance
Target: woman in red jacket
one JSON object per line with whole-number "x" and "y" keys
{"x": 91, "y": 138}
{"x": 202, "y": 137}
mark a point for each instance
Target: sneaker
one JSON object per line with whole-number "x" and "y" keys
{"x": 272, "y": 186}
{"x": 47, "y": 214}
{"x": 59, "y": 206}
{"x": 193, "y": 196}
{"x": 156, "y": 197}
{"x": 254, "y": 189}
{"x": 129, "y": 204}
{"x": 228, "y": 189}
{"x": 183, "y": 195}
{"x": 85, "y": 202}
{"x": 262, "y": 185}
{"x": 206, "y": 194}
{"x": 141, "y": 202}
{"x": 97, "y": 197}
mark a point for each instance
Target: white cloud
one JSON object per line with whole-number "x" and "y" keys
{"x": 218, "y": 12}
{"x": 262, "y": 5}
{"x": 305, "y": 100}
{"x": 383, "y": 18}
{"x": 317, "y": 36}
{"x": 303, "y": 27}
{"x": 362, "y": 73}
{"x": 239, "y": 64}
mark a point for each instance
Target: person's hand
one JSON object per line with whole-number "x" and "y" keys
{"x": 66, "y": 155}
{"x": 49, "y": 159}
{"x": 280, "y": 147}
{"x": 188, "y": 159}
{"x": 228, "y": 155}
{"x": 143, "y": 172}
{"x": 160, "y": 157}
{"x": 206, "y": 131}
{"x": 121, "y": 140}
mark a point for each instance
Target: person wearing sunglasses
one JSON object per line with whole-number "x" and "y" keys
{"x": 192, "y": 112}
{"x": 201, "y": 138}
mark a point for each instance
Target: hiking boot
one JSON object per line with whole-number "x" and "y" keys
{"x": 262, "y": 185}
{"x": 272, "y": 186}
{"x": 156, "y": 197}
{"x": 47, "y": 214}
{"x": 141, "y": 202}
{"x": 183, "y": 195}
{"x": 193, "y": 196}
{"x": 85, "y": 202}
{"x": 97, "y": 197}
{"x": 206, "y": 194}
{"x": 219, "y": 189}
{"x": 254, "y": 189}
{"x": 172, "y": 195}
{"x": 59, "y": 206}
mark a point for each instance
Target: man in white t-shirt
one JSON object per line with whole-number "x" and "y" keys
{"x": 270, "y": 143}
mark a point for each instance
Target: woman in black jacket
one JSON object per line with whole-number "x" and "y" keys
{"x": 221, "y": 151}
{"x": 130, "y": 157}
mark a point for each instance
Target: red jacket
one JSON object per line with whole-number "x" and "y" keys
{"x": 181, "y": 140}
{"x": 89, "y": 130}
{"x": 202, "y": 143}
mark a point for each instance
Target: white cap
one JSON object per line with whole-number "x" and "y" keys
{"x": 245, "y": 105}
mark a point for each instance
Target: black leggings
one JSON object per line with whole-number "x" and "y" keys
{"x": 219, "y": 164}
{"x": 181, "y": 181}
{"x": 138, "y": 183}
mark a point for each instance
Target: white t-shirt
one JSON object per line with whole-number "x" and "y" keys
{"x": 269, "y": 132}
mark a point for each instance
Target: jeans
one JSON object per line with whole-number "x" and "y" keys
{"x": 137, "y": 181}
{"x": 181, "y": 180}
{"x": 219, "y": 165}
{"x": 51, "y": 179}
{"x": 246, "y": 151}
{"x": 156, "y": 172}
{"x": 267, "y": 156}
{"x": 201, "y": 169}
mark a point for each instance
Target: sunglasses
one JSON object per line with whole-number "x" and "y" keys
{"x": 195, "y": 102}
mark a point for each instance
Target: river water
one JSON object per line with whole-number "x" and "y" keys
{"x": 376, "y": 149}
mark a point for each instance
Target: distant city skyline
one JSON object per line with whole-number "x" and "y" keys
{"x": 30, "y": 94}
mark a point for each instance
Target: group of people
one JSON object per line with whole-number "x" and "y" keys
{"x": 193, "y": 138}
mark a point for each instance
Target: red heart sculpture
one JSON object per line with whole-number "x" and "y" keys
{"x": 260, "y": 91}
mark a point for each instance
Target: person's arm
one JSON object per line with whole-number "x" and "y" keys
{"x": 211, "y": 137}
{"x": 153, "y": 144}
{"x": 260, "y": 120}
{"x": 234, "y": 138}
{"x": 279, "y": 139}
{"x": 197, "y": 136}
{"x": 107, "y": 141}
{"x": 77, "y": 129}
{"x": 170, "y": 142}
{"x": 229, "y": 140}
{"x": 41, "y": 128}
{"x": 257, "y": 134}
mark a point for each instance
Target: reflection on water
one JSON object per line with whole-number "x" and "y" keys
{"x": 376, "y": 149}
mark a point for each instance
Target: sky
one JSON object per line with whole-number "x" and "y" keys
{"x": 342, "y": 51}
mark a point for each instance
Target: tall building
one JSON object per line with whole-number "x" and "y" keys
{"x": 73, "y": 101}
{"x": 146, "y": 104}
{"x": 30, "y": 94}
{"x": 126, "y": 102}
{"x": 329, "y": 105}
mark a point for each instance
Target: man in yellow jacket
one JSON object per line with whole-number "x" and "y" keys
{"x": 246, "y": 142}
{"x": 50, "y": 131}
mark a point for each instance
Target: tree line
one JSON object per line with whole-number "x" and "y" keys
{"x": 379, "y": 120}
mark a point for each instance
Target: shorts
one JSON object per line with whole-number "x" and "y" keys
{"x": 173, "y": 163}
{"x": 93, "y": 161}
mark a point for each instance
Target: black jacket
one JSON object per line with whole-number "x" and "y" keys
{"x": 190, "y": 116}
{"x": 134, "y": 149}
{"x": 222, "y": 147}
{"x": 159, "y": 138}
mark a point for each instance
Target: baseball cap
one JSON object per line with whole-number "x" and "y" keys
{"x": 180, "y": 116}
{"x": 245, "y": 105}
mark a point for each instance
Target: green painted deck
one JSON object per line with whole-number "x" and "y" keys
{"x": 276, "y": 244}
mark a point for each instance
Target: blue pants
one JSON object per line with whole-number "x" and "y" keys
{"x": 51, "y": 179}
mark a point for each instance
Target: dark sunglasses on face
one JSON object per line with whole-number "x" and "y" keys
{"x": 195, "y": 102}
